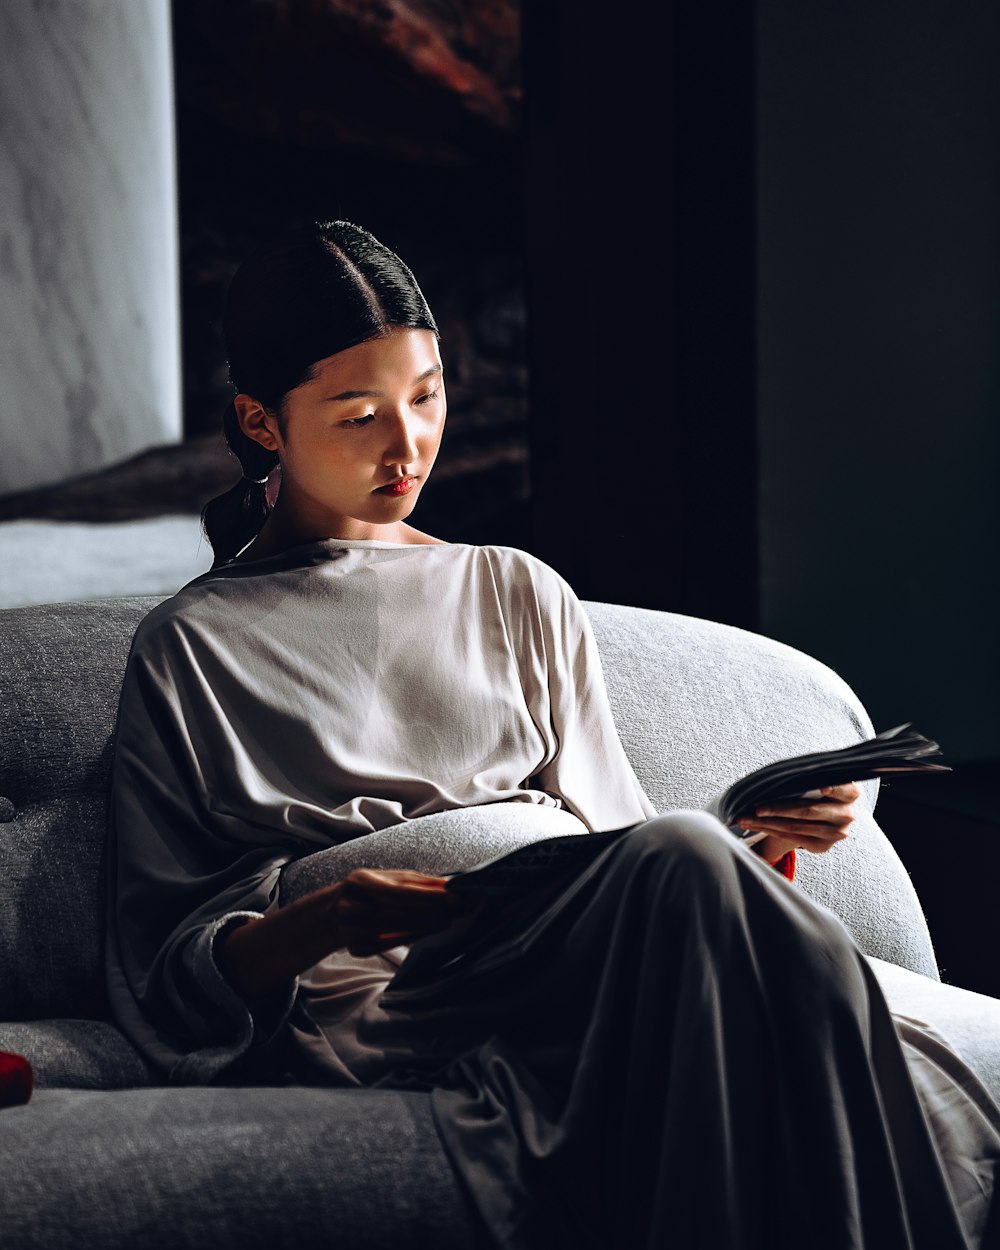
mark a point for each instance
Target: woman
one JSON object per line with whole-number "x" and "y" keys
{"x": 688, "y": 1052}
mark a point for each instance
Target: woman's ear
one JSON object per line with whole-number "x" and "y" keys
{"x": 256, "y": 422}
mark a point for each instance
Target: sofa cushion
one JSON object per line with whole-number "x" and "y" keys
{"x": 80, "y": 1054}
{"x": 698, "y": 705}
{"x": 969, "y": 1021}
{"x": 214, "y": 1169}
{"x": 61, "y": 668}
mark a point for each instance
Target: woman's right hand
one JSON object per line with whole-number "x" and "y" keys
{"x": 376, "y": 909}
{"x": 369, "y": 911}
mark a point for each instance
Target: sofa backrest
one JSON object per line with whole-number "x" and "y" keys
{"x": 696, "y": 704}
{"x": 61, "y": 669}
{"x": 699, "y": 705}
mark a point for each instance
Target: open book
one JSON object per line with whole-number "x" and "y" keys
{"x": 513, "y": 915}
{"x": 897, "y": 750}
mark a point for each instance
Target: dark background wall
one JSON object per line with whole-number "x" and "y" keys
{"x": 407, "y": 120}
{"x": 878, "y": 389}
{"x": 763, "y": 249}
{"x": 640, "y": 261}
{"x": 719, "y": 291}
{"x": 878, "y": 183}
{"x": 763, "y": 293}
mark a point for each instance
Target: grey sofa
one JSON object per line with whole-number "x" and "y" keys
{"x": 105, "y": 1155}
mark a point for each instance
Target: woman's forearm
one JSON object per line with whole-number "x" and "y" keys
{"x": 369, "y": 911}
{"x": 262, "y": 955}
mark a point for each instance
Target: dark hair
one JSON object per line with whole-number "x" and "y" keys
{"x": 306, "y": 296}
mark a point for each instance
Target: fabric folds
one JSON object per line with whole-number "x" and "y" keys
{"x": 685, "y": 1051}
{"x": 687, "y": 1038}
{"x": 279, "y": 708}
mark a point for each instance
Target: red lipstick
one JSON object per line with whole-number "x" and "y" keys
{"x": 401, "y": 486}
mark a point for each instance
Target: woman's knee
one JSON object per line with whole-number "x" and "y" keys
{"x": 683, "y": 835}
{"x": 690, "y": 853}
{"x": 696, "y": 864}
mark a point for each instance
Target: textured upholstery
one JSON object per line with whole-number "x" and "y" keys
{"x": 969, "y": 1021}
{"x": 107, "y": 1163}
{"x": 200, "y": 1169}
{"x": 60, "y": 673}
{"x": 698, "y": 705}
{"x": 79, "y": 1054}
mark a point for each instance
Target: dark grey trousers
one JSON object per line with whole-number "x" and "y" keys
{"x": 690, "y": 1053}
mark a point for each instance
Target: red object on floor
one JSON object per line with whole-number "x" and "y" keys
{"x": 786, "y": 865}
{"x": 16, "y": 1079}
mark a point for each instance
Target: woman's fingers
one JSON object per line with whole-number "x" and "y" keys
{"x": 375, "y": 913}
{"x": 791, "y": 827}
{"x": 369, "y": 940}
{"x": 809, "y": 824}
{"x": 380, "y": 908}
{"x": 407, "y": 891}
{"x": 820, "y": 813}
{"x": 807, "y": 835}
{"x": 396, "y": 880}
{"x": 846, "y": 792}
{"x": 835, "y": 808}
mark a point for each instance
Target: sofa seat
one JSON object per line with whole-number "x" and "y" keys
{"x": 103, "y": 1158}
{"x": 204, "y": 1167}
{"x": 970, "y": 1022}
{"x": 80, "y": 1054}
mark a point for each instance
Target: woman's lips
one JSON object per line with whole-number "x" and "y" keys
{"x": 402, "y": 487}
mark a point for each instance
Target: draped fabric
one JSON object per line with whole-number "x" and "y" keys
{"x": 280, "y": 707}
{"x": 689, "y": 1052}
{"x": 686, "y": 1052}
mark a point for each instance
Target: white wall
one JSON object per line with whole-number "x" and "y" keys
{"x": 89, "y": 341}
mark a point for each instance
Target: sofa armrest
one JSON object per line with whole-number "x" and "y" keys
{"x": 970, "y": 1022}
{"x": 698, "y": 705}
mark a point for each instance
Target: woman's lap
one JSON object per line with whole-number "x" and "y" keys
{"x": 685, "y": 1038}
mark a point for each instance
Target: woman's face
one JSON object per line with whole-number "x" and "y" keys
{"x": 371, "y": 415}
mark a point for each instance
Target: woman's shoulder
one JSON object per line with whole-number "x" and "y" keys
{"x": 516, "y": 559}
{"x": 168, "y": 621}
{"x": 525, "y": 573}
{"x": 218, "y": 596}
{"x": 211, "y": 603}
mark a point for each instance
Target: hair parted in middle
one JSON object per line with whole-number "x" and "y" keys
{"x": 303, "y": 297}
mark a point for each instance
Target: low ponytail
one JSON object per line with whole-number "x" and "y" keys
{"x": 234, "y": 519}
{"x": 306, "y": 295}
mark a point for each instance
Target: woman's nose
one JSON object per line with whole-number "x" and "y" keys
{"x": 401, "y": 447}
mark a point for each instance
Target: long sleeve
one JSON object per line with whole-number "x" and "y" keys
{"x": 181, "y": 875}
{"x": 585, "y": 764}
{"x": 269, "y": 714}
{"x": 586, "y": 767}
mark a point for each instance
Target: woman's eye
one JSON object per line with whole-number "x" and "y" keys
{"x": 426, "y": 399}
{"x": 356, "y": 423}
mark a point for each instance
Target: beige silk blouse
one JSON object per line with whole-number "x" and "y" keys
{"x": 282, "y": 706}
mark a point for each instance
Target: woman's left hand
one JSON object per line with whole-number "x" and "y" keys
{"x": 808, "y": 825}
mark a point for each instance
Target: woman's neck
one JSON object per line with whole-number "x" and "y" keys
{"x": 277, "y": 536}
